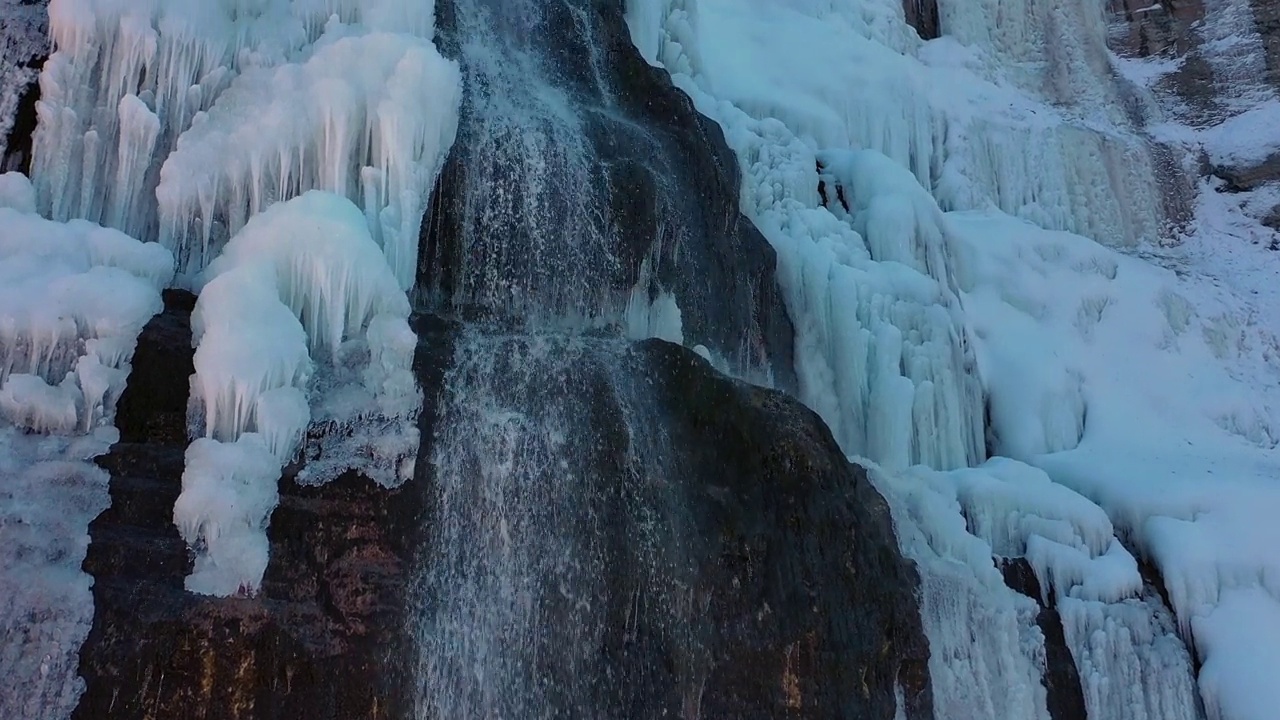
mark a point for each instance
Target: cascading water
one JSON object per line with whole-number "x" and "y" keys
{"x": 618, "y": 532}
{"x": 605, "y": 537}
{"x": 549, "y": 503}
{"x": 579, "y": 194}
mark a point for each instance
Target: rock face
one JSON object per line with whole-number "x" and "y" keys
{"x": 1250, "y": 177}
{"x": 1155, "y": 28}
{"x": 24, "y": 45}
{"x": 618, "y": 531}
{"x": 317, "y": 641}
{"x": 1266, "y": 16}
{"x": 923, "y": 16}
{"x": 597, "y": 528}
{"x": 584, "y": 188}
{"x": 747, "y": 570}
{"x": 1065, "y": 697}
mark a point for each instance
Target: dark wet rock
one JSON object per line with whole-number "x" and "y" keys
{"x": 321, "y": 640}
{"x": 24, "y": 45}
{"x": 1065, "y": 696}
{"x": 675, "y": 544}
{"x": 1148, "y": 29}
{"x": 1249, "y": 177}
{"x": 923, "y": 16}
{"x": 580, "y": 172}
{"x": 154, "y": 406}
{"x": 1272, "y": 219}
{"x": 1266, "y": 17}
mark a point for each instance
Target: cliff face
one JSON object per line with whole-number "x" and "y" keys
{"x": 798, "y": 591}
{"x": 1228, "y": 60}
{"x": 597, "y": 528}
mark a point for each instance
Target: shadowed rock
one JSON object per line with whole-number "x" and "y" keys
{"x": 923, "y": 16}
{"x": 323, "y": 639}
{"x": 619, "y": 531}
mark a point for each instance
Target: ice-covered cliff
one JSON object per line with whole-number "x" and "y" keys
{"x": 1018, "y": 258}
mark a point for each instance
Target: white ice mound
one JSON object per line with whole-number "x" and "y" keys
{"x": 73, "y": 298}
{"x": 303, "y": 279}
{"x": 327, "y": 269}
{"x": 300, "y": 309}
{"x": 247, "y": 343}
{"x": 228, "y": 493}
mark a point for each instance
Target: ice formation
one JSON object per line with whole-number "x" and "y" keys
{"x": 73, "y": 298}
{"x": 305, "y": 137}
{"x": 177, "y": 120}
{"x": 1147, "y": 397}
{"x": 228, "y": 493}
{"x": 301, "y": 299}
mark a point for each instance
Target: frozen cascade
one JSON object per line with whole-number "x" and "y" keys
{"x": 848, "y": 191}
{"x": 517, "y": 511}
{"x": 73, "y": 298}
{"x": 584, "y": 205}
{"x": 302, "y": 280}
{"x": 1060, "y": 152}
{"x": 143, "y": 122}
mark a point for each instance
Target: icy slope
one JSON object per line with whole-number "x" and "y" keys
{"x": 73, "y": 298}
{"x": 1153, "y": 393}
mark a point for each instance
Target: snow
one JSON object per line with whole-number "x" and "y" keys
{"x": 986, "y": 652}
{"x": 328, "y": 270}
{"x": 283, "y": 151}
{"x": 1246, "y": 139}
{"x": 16, "y": 193}
{"x": 178, "y": 121}
{"x": 49, "y": 493}
{"x": 388, "y": 97}
{"x": 73, "y": 298}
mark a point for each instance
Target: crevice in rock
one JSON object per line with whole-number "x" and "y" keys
{"x": 1065, "y": 696}
{"x": 923, "y": 16}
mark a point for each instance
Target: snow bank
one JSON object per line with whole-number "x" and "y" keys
{"x": 1147, "y": 397}
{"x": 300, "y": 321}
{"x": 987, "y": 647}
{"x": 1246, "y": 139}
{"x": 49, "y": 492}
{"x": 1027, "y": 117}
{"x": 1179, "y": 381}
{"x": 245, "y": 103}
